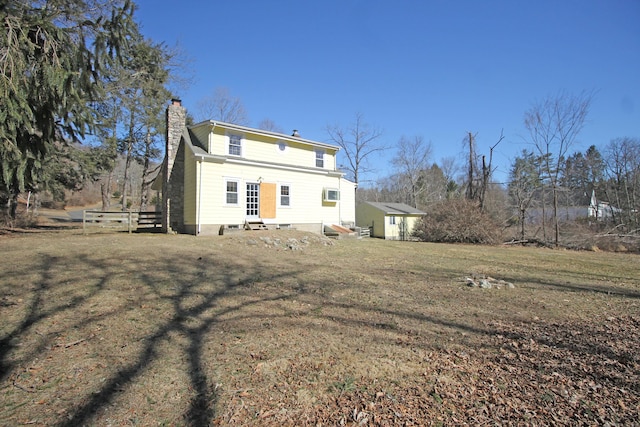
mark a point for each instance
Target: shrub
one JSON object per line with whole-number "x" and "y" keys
{"x": 457, "y": 221}
{"x": 22, "y": 220}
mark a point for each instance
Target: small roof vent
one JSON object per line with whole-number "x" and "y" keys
{"x": 296, "y": 133}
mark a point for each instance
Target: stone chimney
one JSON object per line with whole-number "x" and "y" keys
{"x": 173, "y": 172}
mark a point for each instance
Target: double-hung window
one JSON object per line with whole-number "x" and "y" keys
{"x": 235, "y": 145}
{"x": 392, "y": 220}
{"x": 319, "y": 158}
{"x": 285, "y": 195}
{"x": 231, "y": 190}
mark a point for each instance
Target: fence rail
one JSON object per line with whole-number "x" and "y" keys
{"x": 122, "y": 220}
{"x": 363, "y": 231}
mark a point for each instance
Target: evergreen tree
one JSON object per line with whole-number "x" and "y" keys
{"x": 582, "y": 174}
{"x": 53, "y": 55}
{"x": 141, "y": 96}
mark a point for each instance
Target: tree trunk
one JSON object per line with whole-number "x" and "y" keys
{"x": 146, "y": 183}
{"x": 556, "y": 223}
{"x": 485, "y": 181}
{"x": 470, "y": 192}
{"x": 105, "y": 190}
{"x": 127, "y": 163}
{"x": 12, "y": 205}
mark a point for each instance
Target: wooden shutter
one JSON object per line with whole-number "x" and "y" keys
{"x": 267, "y": 200}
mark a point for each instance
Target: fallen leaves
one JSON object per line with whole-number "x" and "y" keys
{"x": 569, "y": 373}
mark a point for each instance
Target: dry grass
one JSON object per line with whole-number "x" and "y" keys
{"x": 117, "y": 329}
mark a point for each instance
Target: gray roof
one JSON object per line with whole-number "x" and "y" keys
{"x": 396, "y": 208}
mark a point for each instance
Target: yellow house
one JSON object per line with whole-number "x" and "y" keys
{"x": 219, "y": 176}
{"x": 392, "y": 221}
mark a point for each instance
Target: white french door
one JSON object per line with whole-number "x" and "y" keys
{"x": 253, "y": 200}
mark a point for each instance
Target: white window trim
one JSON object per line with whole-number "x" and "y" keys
{"x": 238, "y": 182}
{"x": 280, "y": 185}
{"x": 241, "y": 146}
{"x": 392, "y": 220}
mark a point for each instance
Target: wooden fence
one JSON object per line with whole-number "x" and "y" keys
{"x": 121, "y": 220}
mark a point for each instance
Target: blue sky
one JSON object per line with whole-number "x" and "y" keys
{"x": 436, "y": 69}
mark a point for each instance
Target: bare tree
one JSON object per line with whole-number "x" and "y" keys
{"x": 554, "y": 125}
{"x": 478, "y": 176}
{"x": 221, "y": 105}
{"x": 358, "y": 141}
{"x": 411, "y": 161}
{"x": 487, "y": 171}
{"x": 269, "y": 125}
{"x": 623, "y": 185}
{"x": 472, "y": 169}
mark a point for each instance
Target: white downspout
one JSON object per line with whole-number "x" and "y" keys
{"x": 198, "y": 209}
{"x": 340, "y": 202}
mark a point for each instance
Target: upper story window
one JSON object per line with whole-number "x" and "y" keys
{"x": 235, "y": 145}
{"x": 319, "y": 158}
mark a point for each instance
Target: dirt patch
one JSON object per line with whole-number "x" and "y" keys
{"x": 119, "y": 329}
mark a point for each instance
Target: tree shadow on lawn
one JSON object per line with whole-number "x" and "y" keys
{"x": 37, "y": 312}
{"x": 567, "y": 286}
{"x": 51, "y": 297}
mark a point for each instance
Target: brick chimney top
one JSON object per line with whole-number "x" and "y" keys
{"x": 176, "y": 101}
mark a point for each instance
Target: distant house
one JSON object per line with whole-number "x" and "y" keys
{"x": 219, "y": 176}
{"x": 392, "y": 221}
{"x": 601, "y": 211}
{"x": 597, "y": 210}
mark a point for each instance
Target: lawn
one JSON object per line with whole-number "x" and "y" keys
{"x": 150, "y": 329}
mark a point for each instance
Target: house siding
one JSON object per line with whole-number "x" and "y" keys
{"x": 262, "y": 147}
{"x": 370, "y": 217}
{"x": 306, "y": 205}
{"x": 190, "y": 188}
{"x": 347, "y": 202}
{"x": 394, "y": 231}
